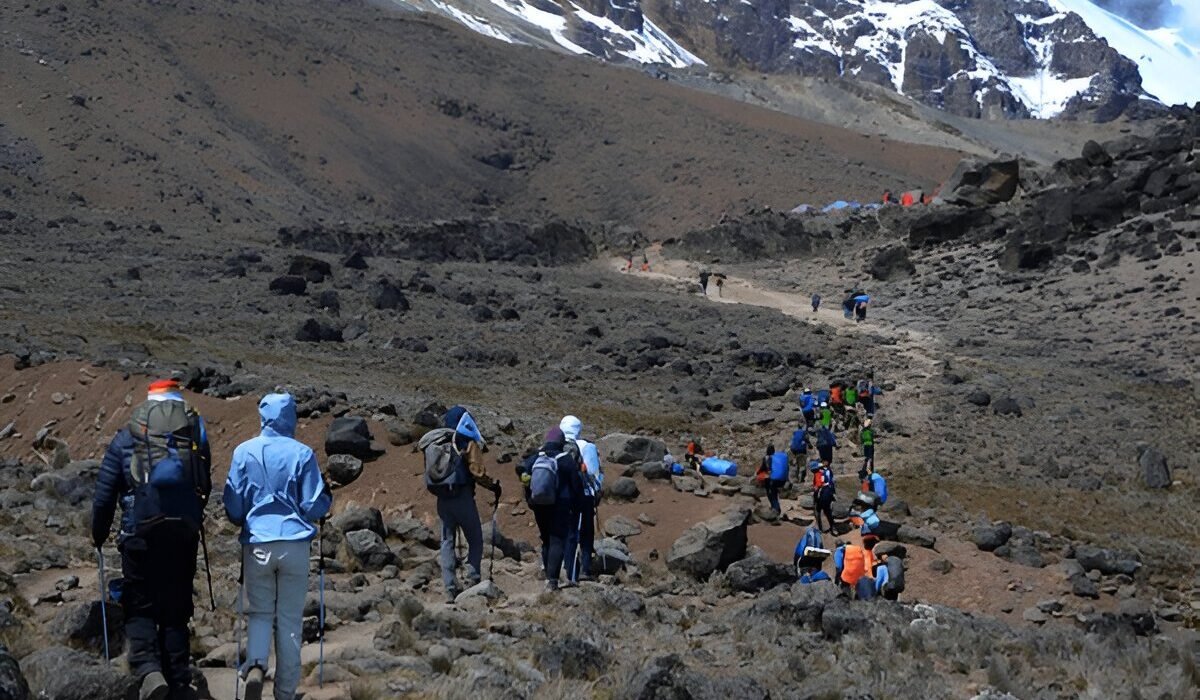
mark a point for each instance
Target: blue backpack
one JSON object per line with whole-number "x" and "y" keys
{"x": 812, "y": 538}
{"x": 779, "y": 466}
{"x": 870, "y": 521}
{"x": 879, "y": 486}
{"x": 799, "y": 442}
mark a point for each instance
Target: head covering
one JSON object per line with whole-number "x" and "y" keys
{"x": 164, "y": 390}
{"x": 824, "y": 404}
{"x": 555, "y": 434}
{"x": 277, "y": 412}
{"x": 461, "y": 422}
{"x": 571, "y": 427}
{"x": 867, "y": 423}
{"x": 770, "y": 449}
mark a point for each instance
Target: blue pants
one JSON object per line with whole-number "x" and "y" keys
{"x": 582, "y": 537}
{"x": 459, "y": 512}
{"x": 773, "y": 494}
{"x": 554, "y": 524}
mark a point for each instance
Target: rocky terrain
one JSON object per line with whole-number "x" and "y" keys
{"x": 1034, "y": 330}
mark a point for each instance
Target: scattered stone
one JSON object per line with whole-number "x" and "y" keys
{"x": 1035, "y": 615}
{"x": 60, "y": 673}
{"x": 916, "y": 536}
{"x": 369, "y": 550}
{"x": 288, "y": 285}
{"x": 621, "y": 526}
{"x": 710, "y": 546}
{"x": 622, "y": 448}
{"x": 758, "y": 573}
{"x": 979, "y": 397}
{"x": 941, "y": 566}
{"x": 623, "y": 488}
{"x": 350, "y": 435}
{"x": 314, "y": 331}
{"x": 991, "y": 536}
{"x": 1007, "y": 406}
{"x": 1084, "y": 587}
{"x": 344, "y": 469}
{"x": 1155, "y": 471}
{"x": 487, "y": 590}
{"x": 355, "y": 517}
{"x": 1106, "y": 561}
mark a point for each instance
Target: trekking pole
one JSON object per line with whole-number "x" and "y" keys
{"x": 212, "y": 600}
{"x": 492, "y": 554}
{"x": 103, "y": 603}
{"x": 237, "y": 625}
{"x": 321, "y": 610}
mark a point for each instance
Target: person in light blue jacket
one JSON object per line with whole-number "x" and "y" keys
{"x": 276, "y": 493}
{"x": 581, "y": 541}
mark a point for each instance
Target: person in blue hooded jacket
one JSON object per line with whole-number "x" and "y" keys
{"x": 276, "y": 493}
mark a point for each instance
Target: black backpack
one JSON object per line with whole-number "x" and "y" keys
{"x": 168, "y": 469}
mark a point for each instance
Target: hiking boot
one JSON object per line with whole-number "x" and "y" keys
{"x": 551, "y": 586}
{"x": 451, "y": 595}
{"x": 571, "y": 584}
{"x": 154, "y": 687}
{"x": 254, "y": 684}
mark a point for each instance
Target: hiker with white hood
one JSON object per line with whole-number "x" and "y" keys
{"x": 276, "y": 493}
{"x": 582, "y": 539}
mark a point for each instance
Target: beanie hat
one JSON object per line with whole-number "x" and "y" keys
{"x": 555, "y": 434}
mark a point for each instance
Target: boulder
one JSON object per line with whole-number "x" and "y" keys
{"x": 1138, "y": 615}
{"x": 355, "y": 517}
{"x": 12, "y": 682}
{"x": 686, "y": 483}
{"x": 758, "y": 573}
{"x": 369, "y": 550}
{"x": 59, "y": 673}
{"x": 1108, "y": 562}
{"x": 314, "y": 331}
{"x": 608, "y": 558}
{"x": 343, "y": 469}
{"x": 81, "y": 625}
{"x": 484, "y": 589}
{"x": 669, "y": 677}
{"x": 386, "y": 295}
{"x": 288, "y": 285}
{"x": 507, "y": 546}
{"x": 1007, "y": 406}
{"x": 623, "y": 448}
{"x": 621, "y": 526}
{"x": 981, "y": 183}
{"x": 1095, "y": 154}
{"x": 410, "y": 529}
{"x": 891, "y": 263}
{"x": 979, "y": 397}
{"x": 710, "y": 546}
{"x": 991, "y": 536}
{"x": 350, "y": 435}
{"x": 916, "y": 536}
{"x": 655, "y": 470}
{"x": 1084, "y": 587}
{"x": 623, "y": 488}
{"x": 1154, "y": 467}
{"x": 310, "y": 269}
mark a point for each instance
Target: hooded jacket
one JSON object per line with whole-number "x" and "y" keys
{"x": 572, "y": 427}
{"x": 275, "y": 490}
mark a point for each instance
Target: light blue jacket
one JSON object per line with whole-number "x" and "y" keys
{"x": 572, "y": 427}
{"x": 275, "y": 490}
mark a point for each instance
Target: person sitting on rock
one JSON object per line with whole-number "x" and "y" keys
{"x": 276, "y": 493}
{"x": 809, "y": 557}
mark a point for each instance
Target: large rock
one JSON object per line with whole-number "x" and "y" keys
{"x": 386, "y": 295}
{"x": 710, "y": 546}
{"x": 1154, "y": 467}
{"x": 12, "y": 682}
{"x": 991, "y": 536}
{"x": 314, "y": 331}
{"x": 623, "y": 488}
{"x": 343, "y": 469}
{"x": 758, "y": 573}
{"x": 623, "y": 448}
{"x": 288, "y": 285}
{"x": 916, "y": 536}
{"x": 621, "y": 526}
{"x": 668, "y": 677}
{"x": 59, "y": 673}
{"x": 980, "y": 183}
{"x": 891, "y": 263}
{"x": 369, "y": 550}
{"x": 1106, "y": 561}
{"x": 311, "y": 269}
{"x": 355, "y": 517}
{"x": 81, "y": 625}
{"x": 350, "y": 435}
{"x": 1007, "y": 406}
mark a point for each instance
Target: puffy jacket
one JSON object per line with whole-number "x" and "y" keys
{"x": 114, "y": 488}
{"x": 275, "y": 490}
{"x": 572, "y": 427}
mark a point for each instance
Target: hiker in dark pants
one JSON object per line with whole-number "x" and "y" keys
{"x": 554, "y": 520}
{"x": 160, "y": 532}
{"x": 816, "y": 302}
{"x": 582, "y": 538}
{"x": 775, "y": 468}
{"x": 456, "y": 506}
{"x": 704, "y": 275}
{"x": 824, "y": 491}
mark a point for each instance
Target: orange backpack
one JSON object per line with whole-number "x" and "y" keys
{"x": 856, "y": 563}
{"x": 835, "y": 396}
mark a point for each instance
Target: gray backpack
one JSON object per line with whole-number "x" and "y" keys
{"x": 543, "y": 482}
{"x": 445, "y": 469}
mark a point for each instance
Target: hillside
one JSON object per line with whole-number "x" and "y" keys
{"x": 252, "y": 114}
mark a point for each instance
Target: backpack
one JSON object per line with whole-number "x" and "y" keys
{"x": 856, "y": 563}
{"x": 851, "y": 396}
{"x": 812, "y": 538}
{"x": 879, "y": 487}
{"x": 543, "y": 484}
{"x": 824, "y": 486}
{"x": 870, "y": 521}
{"x": 835, "y": 396}
{"x": 895, "y": 576}
{"x": 799, "y": 441}
{"x": 779, "y": 467}
{"x": 445, "y": 469}
{"x": 166, "y": 468}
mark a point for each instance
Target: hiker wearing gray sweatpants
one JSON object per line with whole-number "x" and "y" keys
{"x": 459, "y": 512}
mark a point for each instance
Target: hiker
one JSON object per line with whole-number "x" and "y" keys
{"x": 809, "y": 557}
{"x": 720, "y": 283}
{"x": 850, "y": 395}
{"x": 826, "y": 443}
{"x": 582, "y": 537}
{"x": 628, "y": 262}
{"x": 775, "y": 471}
{"x": 159, "y": 469}
{"x": 824, "y": 492}
{"x": 799, "y": 450}
{"x": 554, "y": 491}
{"x": 866, "y": 437}
{"x": 848, "y": 307}
{"x": 276, "y": 493}
{"x": 704, "y": 275}
{"x": 860, "y": 307}
{"x": 453, "y": 467}
{"x": 826, "y": 419}
{"x": 889, "y": 576}
{"x": 645, "y": 263}
{"x": 854, "y": 566}
{"x": 808, "y": 407}
{"x": 816, "y": 302}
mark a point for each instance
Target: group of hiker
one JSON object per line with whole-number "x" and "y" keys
{"x": 158, "y": 470}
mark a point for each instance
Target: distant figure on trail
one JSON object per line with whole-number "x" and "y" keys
{"x": 826, "y": 442}
{"x": 582, "y": 537}
{"x": 645, "y": 263}
{"x": 860, "y": 307}
{"x": 704, "y": 275}
{"x": 808, "y": 407}
{"x": 720, "y": 282}
{"x": 816, "y": 302}
{"x": 799, "y": 451}
{"x": 554, "y": 490}
{"x": 866, "y": 438}
{"x": 628, "y": 262}
{"x": 824, "y": 491}
{"x": 775, "y": 467}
